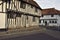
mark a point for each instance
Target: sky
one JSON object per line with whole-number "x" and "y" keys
{"x": 49, "y": 4}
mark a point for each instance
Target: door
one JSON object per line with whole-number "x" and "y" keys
{"x": 45, "y": 23}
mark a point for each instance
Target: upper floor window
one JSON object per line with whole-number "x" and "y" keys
{"x": 23, "y": 5}
{"x": 10, "y": 15}
{"x": 31, "y": 6}
{"x": 18, "y": 15}
{"x": 33, "y": 19}
{"x": 6, "y": 0}
{"x": 42, "y": 15}
{"x": 52, "y": 15}
{"x": 36, "y": 10}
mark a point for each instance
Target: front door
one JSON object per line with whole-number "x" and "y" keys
{"x": 45, "y": 23}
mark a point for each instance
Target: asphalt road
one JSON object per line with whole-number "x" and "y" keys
{"x": 38, "y": 36}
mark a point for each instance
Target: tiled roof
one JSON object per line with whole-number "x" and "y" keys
{"x": 50, "y": 11}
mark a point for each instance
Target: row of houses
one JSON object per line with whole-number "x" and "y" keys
{"x": 19, "y": 13}
{"x": 26, "y": 13}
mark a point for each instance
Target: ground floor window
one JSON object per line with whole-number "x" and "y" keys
{"x": 43, "y": 21}
{"x": 55, "y": 21}
{"x": 49, "y": 21}
{"x": 52, "y": 21}
{"x": 39, "y": 21}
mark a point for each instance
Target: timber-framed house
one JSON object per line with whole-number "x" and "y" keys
{"x": 19, "y": 13}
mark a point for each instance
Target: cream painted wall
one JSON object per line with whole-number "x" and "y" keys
{"x": 48, "y": 18}
{"x": 0, "y": 6}
{"x": 28, "y": 8}
{"x": 3, "y": 21}
{"x": 19, "y": 21}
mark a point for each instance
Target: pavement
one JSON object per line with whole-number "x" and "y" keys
{"x": 52, "y": 33}
{"x": 13, "y": 34}
{"x": 38, "y": 36}
{"x": 21, "y": 32}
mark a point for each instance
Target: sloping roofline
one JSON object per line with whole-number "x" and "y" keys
{"x": 32, "y": 2}
{"x": 50, "y": 11}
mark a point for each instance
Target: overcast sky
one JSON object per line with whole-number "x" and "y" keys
{"x": 49, "y": 4}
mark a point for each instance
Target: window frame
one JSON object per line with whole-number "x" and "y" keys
{"x": 22, "y": 5}
{"x": 33, "y": 19}
{"x": 36, "y": 10}
{"x": 52, "y": 15}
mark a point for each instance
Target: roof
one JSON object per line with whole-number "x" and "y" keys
{"x": 32, "y": 2}
{"x": 50, "y": 11}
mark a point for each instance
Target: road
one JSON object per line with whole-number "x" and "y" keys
{"x": 38, "y": 36}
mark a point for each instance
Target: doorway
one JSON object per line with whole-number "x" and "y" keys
{"x": 46, "y": 23}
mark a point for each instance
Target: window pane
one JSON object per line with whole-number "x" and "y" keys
{"x": 33, "y": 19}
{"x": 23, "y": 5}
{"x": 40, "y": 21}
{"x": 52, "y": 21}
{"x": 49, "y": 21}
{"x": 36, "y": 10}
{"x": 55, "y": 21}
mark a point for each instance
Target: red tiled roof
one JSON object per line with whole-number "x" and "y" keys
{"x": 50, "y": 11}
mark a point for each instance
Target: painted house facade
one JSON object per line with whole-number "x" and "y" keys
{"x": 19, "y": 13}
{"x": 50, "y": 17}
